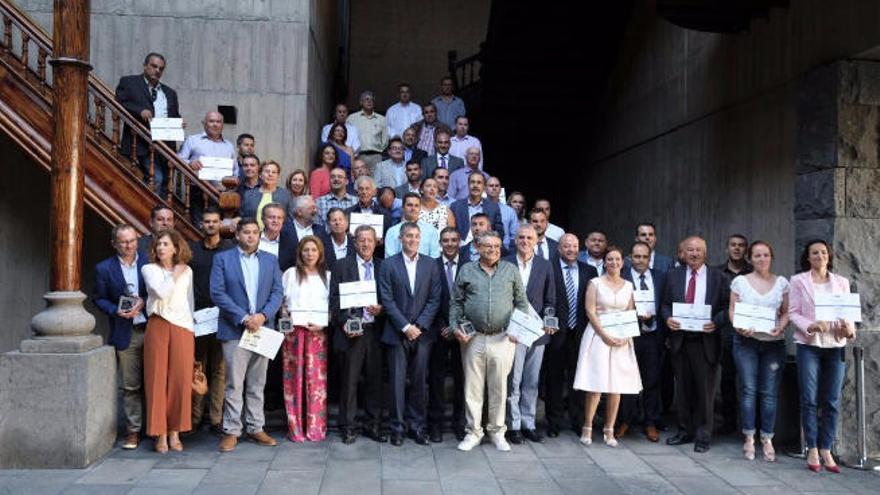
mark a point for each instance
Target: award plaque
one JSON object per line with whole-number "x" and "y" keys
{"x": 354, "y": 325}
{"x": 467, "y": 328}
{"x": 127, "y": 301}
{"x": 285, "y": 324}
{"x": 550, "y": 319}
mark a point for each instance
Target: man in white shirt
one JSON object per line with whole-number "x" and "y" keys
{"x": 441, "y": 175}
{"x": 544, "y": 247}
{"x": 553, "y": 231}
{"x": 461, "y": 141}
{"x": 340, "y": 115}
{"x": 594, "y": 255}
{"x": 273, "y": 221}
{"x": 404, "y": 113}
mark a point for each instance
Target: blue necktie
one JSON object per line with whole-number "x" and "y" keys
{"x": 368, "y": 275}
{"x": 449, "y": 277}
{"x": 571, "y": 292}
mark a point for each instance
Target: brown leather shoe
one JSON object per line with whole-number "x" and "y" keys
{"x": 228, "y": 443}
{"x": 262, "y": 439}
{"x": 621, "y": 430}
{"x": 652, "y": 434}
{"x": 131, "y": 441}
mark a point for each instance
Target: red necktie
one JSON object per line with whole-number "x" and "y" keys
{"x": 692, "y": 288}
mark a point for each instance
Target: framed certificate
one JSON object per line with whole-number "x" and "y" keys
{"x": 526, "y": 328}
{"x": 751, "y": 316}
{"x": 692, "y": 317}
{"x": 215, "y": 168}
{"x": 644, "y": 300}
{"x": 167, "y": 129}
{"x": 621, "y": 324}
{"x": 357, "y": 294}
{"x": 371, "y": 219}
{"x": 265, "y": 342}
{"x": 831, "y": 307}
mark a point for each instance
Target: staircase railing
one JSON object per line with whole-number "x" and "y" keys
{"x": 465, "y": 72}
{"x": 22, "y": 36}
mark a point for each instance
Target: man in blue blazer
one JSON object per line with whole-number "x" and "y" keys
{"x": 120, "y": 275}
{"x": 561, "y": 355}
{"x": 522, "y": 383}
{"x": 464, "y": 209}
{"x": 410, "y": 290}
{"x": 695, "y": 355}
{"x": 649, "y": 346}
{"x": 303, "y": 223}
{"x": 246, "y": 286}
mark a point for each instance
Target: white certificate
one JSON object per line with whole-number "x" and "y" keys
{"x": 752, "y": 316}
{"x": 373, "y": 220}
{"x": 166, "y": 129}
{"x": 644, "y": 300}
{"x": 264, "y": 342}
{"x": 205, "y": 321}
{"x": 525, "y": 327}
{"x": 303, "y": 316}
{"x": 357, "y": 294}
{"x": 621, "y": 324}
{"x": 215, "y": 167}
{"x": 831, "y": 307}
{"x": 692, "y": 317}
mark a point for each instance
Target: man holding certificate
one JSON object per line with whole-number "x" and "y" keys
{"x": 360, "y": 347}
{"x": 694, "y": 307}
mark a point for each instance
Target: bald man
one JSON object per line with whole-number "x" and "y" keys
{"x": 207, "y": 143}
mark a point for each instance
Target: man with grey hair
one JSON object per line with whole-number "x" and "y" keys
{"x": 372, "y": 130}
{"x": 303, "y": 224}
{"x": 365, "y": 188}
{"x": 483, "y": 298}
{"x": 458, "y": 180}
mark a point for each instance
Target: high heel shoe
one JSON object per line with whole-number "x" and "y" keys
{"x": 833, "y": 468}
{"x": 587, "y": 435}
{"x": 608, "y": 434}
{"x": 814, "y": 467}
{"x": 769, "y": 453}
{"x": 749, "y": 449}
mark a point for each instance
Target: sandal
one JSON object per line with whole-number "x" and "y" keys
{"x": 161, "y": 445}
{"x": 608, "y": 433}
{"x": 749, "y": 448}
{"x": 769, "y": 451}
{"x": 587, "y": 435}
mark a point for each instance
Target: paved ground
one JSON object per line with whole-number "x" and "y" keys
{"x": 560, "y": 465}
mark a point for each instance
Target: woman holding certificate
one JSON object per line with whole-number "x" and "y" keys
{"x": 169, "y": 344}
{"x": 759, "y": 344}
{"x": 820, "y": 351}
{"x": 307, "y": 292}
{"x": 606, "y": 363}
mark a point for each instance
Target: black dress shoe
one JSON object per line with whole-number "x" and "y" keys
{"x": 376, "y": 434}
{"x": 552, "y": 431}
{"x": 348, "y": 436}
{"x": 533, "y": 436}
{"x": 436, "y": 434}
{"x": 514, "y": 437}
{"x": 680, "y": 439}
{"x": 419, "y": 437}
{"x": 396, "y": 438}
{"x": 460, "y": 433}
{"x": 700, "y": 447}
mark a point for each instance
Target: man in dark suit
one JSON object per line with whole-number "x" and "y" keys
{"x": 246, "y": 286}
{"x": 561, "y": 354}
{"x": 365, "y": 187}
{"x": 410, "y": 290}
{"x": 446, "y": 353}
{"x": 161, "y": 218}
{"x": 120, "y": 275}
{"x": 441, "y": 157}
{"x": 361, "y": 353}
{"x": 522, "y": 383}
{"x": 649, "y": 346}
{"x": 646, "y": 232}
{"x": 695, "y": 355}
{"x": 545, "y": 247}
{"x": 303, "y": 224}
{"x": 464, "y": 209}
{"x": 144, "y": 97}
{"x": 411, "y": 152}
{"x": 339, "y": 243}
{"x": 413, "y": 180}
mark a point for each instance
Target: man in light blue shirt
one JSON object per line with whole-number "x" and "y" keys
{"x": 429, "y": 243}
{"x": 448, "y": 105}
{"x": 508, "y": 214}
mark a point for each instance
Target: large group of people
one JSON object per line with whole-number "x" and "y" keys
{"x": 450, "y": 261}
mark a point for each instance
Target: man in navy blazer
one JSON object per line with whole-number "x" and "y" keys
{"x": 464, "y": 209}
{"x": 545, "y": 247}
{"x": 365, "y": 187}
{"x": 522, "y": 383}
{"x": 144, "y": 97}
{"x": 561, "y": 354}
{"x": 116, "y": 276}
{"x": 361, "y": 353}
{"x": 446, "y": 354}
{"x": 288, "y": 242}
{"x": 337, "y": 226}
{"x": 649, "y": 346}
{"x": 410, "y": 290}
{"x": 695, "y": 355}
{"x": 246, "y": 286}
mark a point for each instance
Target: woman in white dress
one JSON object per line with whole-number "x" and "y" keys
{"x": 606, "y": 364}
{"x": 433, "y": 211}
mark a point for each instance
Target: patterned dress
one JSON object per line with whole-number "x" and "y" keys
{"x": 436, "y": 217}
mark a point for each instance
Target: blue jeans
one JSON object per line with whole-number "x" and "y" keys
{"x": 759, "y": 365}
{"x": 820, "y": 375}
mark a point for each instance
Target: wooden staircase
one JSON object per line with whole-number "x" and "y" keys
{"x": 114, "y": 185}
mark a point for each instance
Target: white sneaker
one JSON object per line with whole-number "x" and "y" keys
{"x": 470, "y": 441}
{"x": 500, "y": 443}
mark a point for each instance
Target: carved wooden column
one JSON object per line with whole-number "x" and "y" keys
{"x": 65, "y": 326}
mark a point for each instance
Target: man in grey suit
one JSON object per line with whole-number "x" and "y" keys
{"x": 441, "y": 157}
{"x": 522, "y": 383}
{"x": 392, "y": 172}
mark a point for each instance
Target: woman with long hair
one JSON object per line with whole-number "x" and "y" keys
{"x": 319, "y": 179}
{"x": 337, "y": 137}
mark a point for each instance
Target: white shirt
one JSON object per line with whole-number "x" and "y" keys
{"x": 400, "y": 116}
{"x": 170, "y": 299}
{"x": 543, "y": 244}
{"x": 410, "y": 265}
{"x": 554, "y": 232}
{"x": 269, "y": 245}
{"x": 311, "y": 294}
{"x": 362, "y": 275}
{"x": 160, "y": 106}
{"x": 302, "y": 231}
{"x": 637, "y": 284}
{"x": 599, "y": 265}
{"x": 651, "y": 262}
{"x": 460, "y": 146}
{"x": 700, "y": 293}
{"x": 341, "y": 251}
{"x": 352, "y": 140}
{"x": 525, "y": 269}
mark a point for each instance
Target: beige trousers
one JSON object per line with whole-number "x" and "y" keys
{"x": 487, "y": 360}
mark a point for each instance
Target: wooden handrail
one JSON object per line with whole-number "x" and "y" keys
{"x": 465, "y": 71}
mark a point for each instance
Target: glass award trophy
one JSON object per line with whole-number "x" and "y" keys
{"x": 467, "y": 327}
{"x": 354, "y": 324}
{"x": 550, "y": 319}
{"x": 285, "y": 322}
{"x": 129, "y": 300}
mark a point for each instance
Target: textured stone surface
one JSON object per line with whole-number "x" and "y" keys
{"x": 815, "y": 194}
{"x": 857, "y": 127}
{"x": 863, "y": 193}
{"x": 816, "y": 102}
{"x": 57, "y": 410}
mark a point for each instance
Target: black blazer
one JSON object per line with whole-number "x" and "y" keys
{"x": 288, "y": 243}
{"x": 552, "y": 247}
{"x": 659, "y": 278}
{"x": 429, "y": 164}
{"x": 717, "y": 295}
{"x": 330, "y": 253}
{"x": 346, "y": 270}
{"x": 541, "y": 289}
{"x": 442, "y": 318}
{"x": 402, "y": 306}
{"x": 463, "y": 220}
{"x": 133, "y": 93}
{"x": 386, "y": 222}
{"x": 585, "y": 274}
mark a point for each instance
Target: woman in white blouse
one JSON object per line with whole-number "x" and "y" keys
{"x": 306, "y": 287}
{"x": 760, "y": 356}
{"x": 169, "y": 345}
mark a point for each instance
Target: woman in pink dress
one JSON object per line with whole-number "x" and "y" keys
{"x": 606, "y": 364}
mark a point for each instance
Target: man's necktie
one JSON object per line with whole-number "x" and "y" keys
{"x": 443, "y": 161}
{"x": 692, "y": 289}
{"x": 449, "y": 278}
{"x": 368, "y": 275}
{"x": 541, "y": 249}
{"x": 154, "y": 93}
{"x": 642, "y": 284}
{"x": 571, "y": 292}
